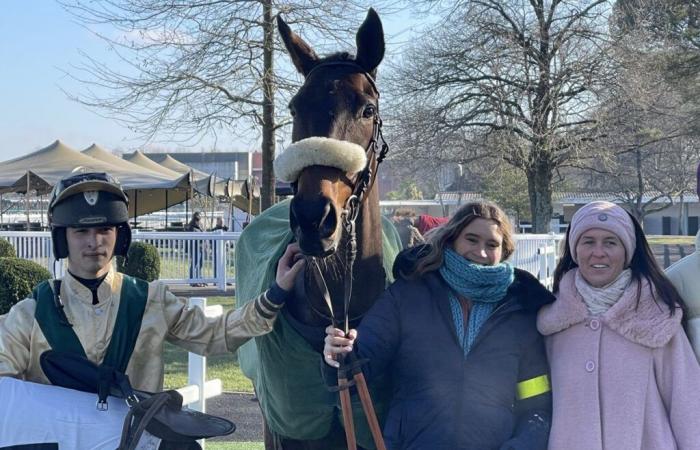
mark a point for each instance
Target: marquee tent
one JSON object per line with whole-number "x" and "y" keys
{"x": 41, "y": 170}
{"x": 165, "y": 197}
{"x": 205, "y": 184}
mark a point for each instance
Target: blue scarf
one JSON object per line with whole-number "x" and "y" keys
{"x": 484, "y": 286}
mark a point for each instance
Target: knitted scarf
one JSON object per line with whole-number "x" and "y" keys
{"x": 484, "y": 286}
{"x": 599, "y": 300}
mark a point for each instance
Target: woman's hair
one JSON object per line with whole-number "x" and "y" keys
{"x": 445, "y": 235}
{"x": 643, "y": 264}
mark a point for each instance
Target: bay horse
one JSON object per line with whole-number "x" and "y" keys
{"x": 335, "y": 121}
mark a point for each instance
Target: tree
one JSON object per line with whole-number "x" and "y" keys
{"x": 524, "y": 72}
{"x": 649, "y": 140}
{"x": 408, "y": 190}
{"x": 200, "y": 68}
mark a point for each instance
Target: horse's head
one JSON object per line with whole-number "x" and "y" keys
{"x": 335, "y": 117}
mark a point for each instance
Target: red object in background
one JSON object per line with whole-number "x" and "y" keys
{"x": 426, "y": 223}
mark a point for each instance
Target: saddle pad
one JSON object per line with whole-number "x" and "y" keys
{"x": 32, "y": 413}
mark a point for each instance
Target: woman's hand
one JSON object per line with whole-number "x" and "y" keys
{"x": 289, "y": 266}
{"x": 336, "y": 342}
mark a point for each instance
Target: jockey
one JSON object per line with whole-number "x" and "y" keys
{"x": 110, "y": 317}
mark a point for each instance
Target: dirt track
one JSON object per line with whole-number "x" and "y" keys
{"x": 242, "y": 410}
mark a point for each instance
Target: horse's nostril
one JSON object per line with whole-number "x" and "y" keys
{"x": 314, "y": 216}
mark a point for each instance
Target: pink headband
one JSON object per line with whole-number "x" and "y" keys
{"x": 607, "y": 216}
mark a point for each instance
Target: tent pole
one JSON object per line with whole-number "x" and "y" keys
{"x": 166, "y": 210}
{"x": 136, "y": 205}
{"x": 26, "y": 202}
{"x": 187, "y": 209}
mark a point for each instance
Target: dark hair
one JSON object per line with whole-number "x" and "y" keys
{"x": 643, "y": 264}
{"x": 445, "y": 235}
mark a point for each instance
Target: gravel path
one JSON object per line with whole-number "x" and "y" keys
{"x": 241, "y": 409}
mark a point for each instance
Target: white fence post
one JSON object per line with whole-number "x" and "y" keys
{"x": 221, "y": 261}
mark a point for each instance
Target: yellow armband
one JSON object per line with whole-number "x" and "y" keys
{"x": 533, "y": 387}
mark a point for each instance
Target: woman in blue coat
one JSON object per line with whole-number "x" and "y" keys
{"x": 456, "y": 333}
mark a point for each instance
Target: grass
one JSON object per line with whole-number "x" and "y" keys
{"x": 224, "y": 367}
{"x": 235, "y": 446}
{"x": 671, "y": 240}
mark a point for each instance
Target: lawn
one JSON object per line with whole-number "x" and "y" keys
{"x": 671, "y": 240}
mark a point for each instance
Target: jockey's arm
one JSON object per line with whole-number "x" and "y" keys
{"x": 191, "y": 329}
{"x": 188, "y": 327}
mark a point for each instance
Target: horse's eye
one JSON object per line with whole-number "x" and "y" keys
{"x": 369, "y": 111}
{"x": 292, "y": 111}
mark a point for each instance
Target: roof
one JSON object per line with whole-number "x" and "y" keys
{"x": 565, "y": 197}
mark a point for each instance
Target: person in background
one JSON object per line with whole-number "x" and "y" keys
{"x": 623, "y": 373}
{"x": 456, "y": 334}
{"x": 196, "y": 249}
{"x": 404, "y": 219}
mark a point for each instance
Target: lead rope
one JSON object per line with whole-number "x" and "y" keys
{"x": 349, "y": 364}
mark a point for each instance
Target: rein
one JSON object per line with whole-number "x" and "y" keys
{"x": 350, "y": 365}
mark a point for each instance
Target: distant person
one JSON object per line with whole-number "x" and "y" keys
{"x": 425, "y": 223}
{"x": 623, "y": 373}
{"x": 219, "y": 225}
{"x": 403, "y": 219}
{"x": 196, "y": 249}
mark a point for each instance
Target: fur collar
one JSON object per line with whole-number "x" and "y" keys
{"x": 646, "y": 323}
{"x": 319, "y": 151}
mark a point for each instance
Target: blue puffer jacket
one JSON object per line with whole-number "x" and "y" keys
{"x": 444, "y": 401}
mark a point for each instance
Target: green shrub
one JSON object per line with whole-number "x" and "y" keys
{"x": 7, "y": 250}
{"x": 17, "y": 279}
{"x": 143, "y": 261}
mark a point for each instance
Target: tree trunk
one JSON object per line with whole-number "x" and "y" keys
{"x": 539, "y": 187}
{"x": 267, "y": 190}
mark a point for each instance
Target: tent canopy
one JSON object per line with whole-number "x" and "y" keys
{"x": 40, "y": 170}
{"x": 204, "y": 183}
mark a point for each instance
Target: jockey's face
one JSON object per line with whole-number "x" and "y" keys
{"x": 90, "y": 250}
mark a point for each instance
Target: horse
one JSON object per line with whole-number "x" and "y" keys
{"x": 334, "y": 216}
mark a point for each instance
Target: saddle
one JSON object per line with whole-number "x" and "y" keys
{"x": 161, "y": 414}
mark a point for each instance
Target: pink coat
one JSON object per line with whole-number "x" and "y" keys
{"x": 627, "y": 379}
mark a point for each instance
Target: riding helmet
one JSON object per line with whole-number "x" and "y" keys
{"x": 93, "y": 199}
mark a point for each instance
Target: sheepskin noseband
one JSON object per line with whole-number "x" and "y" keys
{"x": 319, "y": 151}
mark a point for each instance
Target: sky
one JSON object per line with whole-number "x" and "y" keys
{"x": 39, "y": 42}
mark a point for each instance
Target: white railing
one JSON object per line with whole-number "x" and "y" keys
{"x": 538, "y": 254}
{"x": 188, "y": 257}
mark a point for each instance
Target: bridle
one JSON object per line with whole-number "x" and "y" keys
{"x": 376, "y": 151}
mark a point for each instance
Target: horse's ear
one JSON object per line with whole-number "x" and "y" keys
{"x": 370, "y": 43}
{"x": 303, "y": 56}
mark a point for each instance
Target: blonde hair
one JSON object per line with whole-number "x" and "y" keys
{"x": 445, "y": 235}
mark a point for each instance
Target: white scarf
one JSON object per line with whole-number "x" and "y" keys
{"x": 599, "y": 300}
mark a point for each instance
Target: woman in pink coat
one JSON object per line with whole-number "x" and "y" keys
{"x": 623, "y": 373}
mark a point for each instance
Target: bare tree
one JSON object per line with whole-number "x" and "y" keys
{"x": 526, "y": 71}
{"x": 652, "y": 154}
{"x": 198, "y": 68}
